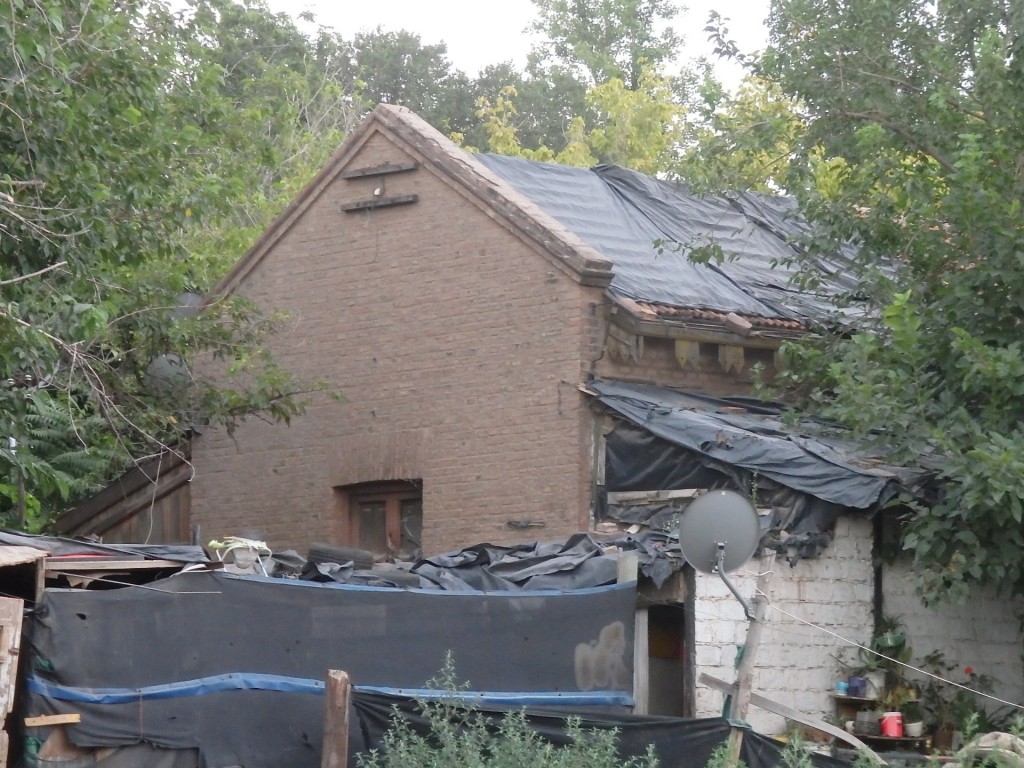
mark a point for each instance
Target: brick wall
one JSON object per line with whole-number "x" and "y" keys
{"x": 794, "y": 662}
{"x": 984, "y": 633}
{"x": 458, "y": 349}
{"x": 658, "y": 365}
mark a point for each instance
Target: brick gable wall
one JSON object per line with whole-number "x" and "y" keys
{"x": 458, "y": 349}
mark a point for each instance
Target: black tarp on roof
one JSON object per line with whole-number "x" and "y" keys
{"x": 827, "y": 468}
{"x": 622, "y": 214}
{"x": 577, "y": 563}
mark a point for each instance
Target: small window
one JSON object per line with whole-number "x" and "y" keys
{"x": 385, "y": 518}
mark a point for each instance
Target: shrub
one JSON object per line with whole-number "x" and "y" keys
{"x": 460, "y": 735}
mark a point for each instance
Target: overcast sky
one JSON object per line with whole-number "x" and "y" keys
{"x": 481, "y": 33}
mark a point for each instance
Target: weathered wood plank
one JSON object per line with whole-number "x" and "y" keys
{"x": 335, "y": 747}
{"x": 46, "y": 721}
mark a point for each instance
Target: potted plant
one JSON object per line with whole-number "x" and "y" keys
{"x": 949, "y": 706}
{"x": 913, "y": 718}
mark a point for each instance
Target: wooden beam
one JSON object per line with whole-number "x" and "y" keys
{"x": 46, "y": 721}
{"x": 627, "y": 567}
{"x": 713, "y": 332}
{"x": 379, "y": 202}
{"x": 379, "y": 170}
{"x": 641, "y": 664}
{"x": 80, "y": 564}
{"x": 729, "y": 689}
{"x": 651, "y": 497}
{"x": 335, "y": 747}
{"x": 166, "y": 467}
{"x": 673, "y": 591}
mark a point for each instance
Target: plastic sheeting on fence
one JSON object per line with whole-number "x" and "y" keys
{"x": 234, "y": 665}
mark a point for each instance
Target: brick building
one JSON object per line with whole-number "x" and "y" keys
{"x": 468, "y": 308}
{"x": 458, "y": 318}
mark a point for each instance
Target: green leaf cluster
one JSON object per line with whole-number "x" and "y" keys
{"x": 913, "y": 155}
{"x": 140, "y": 149}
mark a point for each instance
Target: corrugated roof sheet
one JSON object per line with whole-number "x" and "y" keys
{"x": 624, "y": 215}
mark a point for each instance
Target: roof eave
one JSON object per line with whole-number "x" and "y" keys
{"x": 706, "y": 330}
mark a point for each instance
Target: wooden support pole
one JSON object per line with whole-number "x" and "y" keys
{"x": 745, "y": 672}
{"x": 336, "y": 697}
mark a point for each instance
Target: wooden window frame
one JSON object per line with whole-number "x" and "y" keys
{"x": 392, "y": 494}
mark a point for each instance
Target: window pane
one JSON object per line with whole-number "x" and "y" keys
{"x": 412, "y": 525}
{"x": 372, "y": 517}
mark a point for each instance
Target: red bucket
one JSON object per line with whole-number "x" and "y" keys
{"x": 892, "y": 724}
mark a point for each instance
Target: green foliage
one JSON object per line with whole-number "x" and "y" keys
{"x": 547, "y": 99}
{"x": 950, "y": 706}
{"x": 639, "y": 129}
{"x": 721, "y": 757}
{"x": 796, "y": 754}
{"x": 614, "y": 39}
{"x": 397, "y": 68}
{"x": 746, "y": 141}
{"x": 913, "y": 153}
{"x": 460, "y": 735}
{"x": 130, "y": 138}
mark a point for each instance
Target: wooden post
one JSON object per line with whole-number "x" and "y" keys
{"x": 641, "y": 664}
{"x": 336, "y": 697}
{"x": 745, "y": 672}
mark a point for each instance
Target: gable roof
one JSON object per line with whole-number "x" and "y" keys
{"x": 611, "y": 227}
{"x": 440, "y": 156}
{"x": 648, "y": 228}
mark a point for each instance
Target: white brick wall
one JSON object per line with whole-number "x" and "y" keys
{"x": 795, "y": 664}
{"x": 984, "y": 633}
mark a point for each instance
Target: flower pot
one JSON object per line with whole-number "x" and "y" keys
{"x": 875, "y": 687}
{"x": 943, "y": 738}
{"x": 913, "y": 730}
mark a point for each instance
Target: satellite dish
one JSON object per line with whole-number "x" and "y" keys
{"x": 719, "y": 519}
{"x": 718, "y": 533}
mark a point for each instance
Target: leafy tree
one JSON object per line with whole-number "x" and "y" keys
{"x": 106, "y": 129}
{"x": 547, "y": 99}
{"x": 269, "y": 104}
{"x": 745, "y": 141}
{"x": 913, "y": 153}
{"x": 397, "y": 68}
{"x": 606, "y": 40}
{"x": 640, "y": 129}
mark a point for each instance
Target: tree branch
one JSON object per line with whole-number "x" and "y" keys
{"x": 37, "y": 273}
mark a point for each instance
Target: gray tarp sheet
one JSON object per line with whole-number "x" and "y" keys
{"x": 622, "y": 214}
{"x": 57, "y": 546}
{"x": 234, "y": 665}
{"x": 826, "y": 468}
